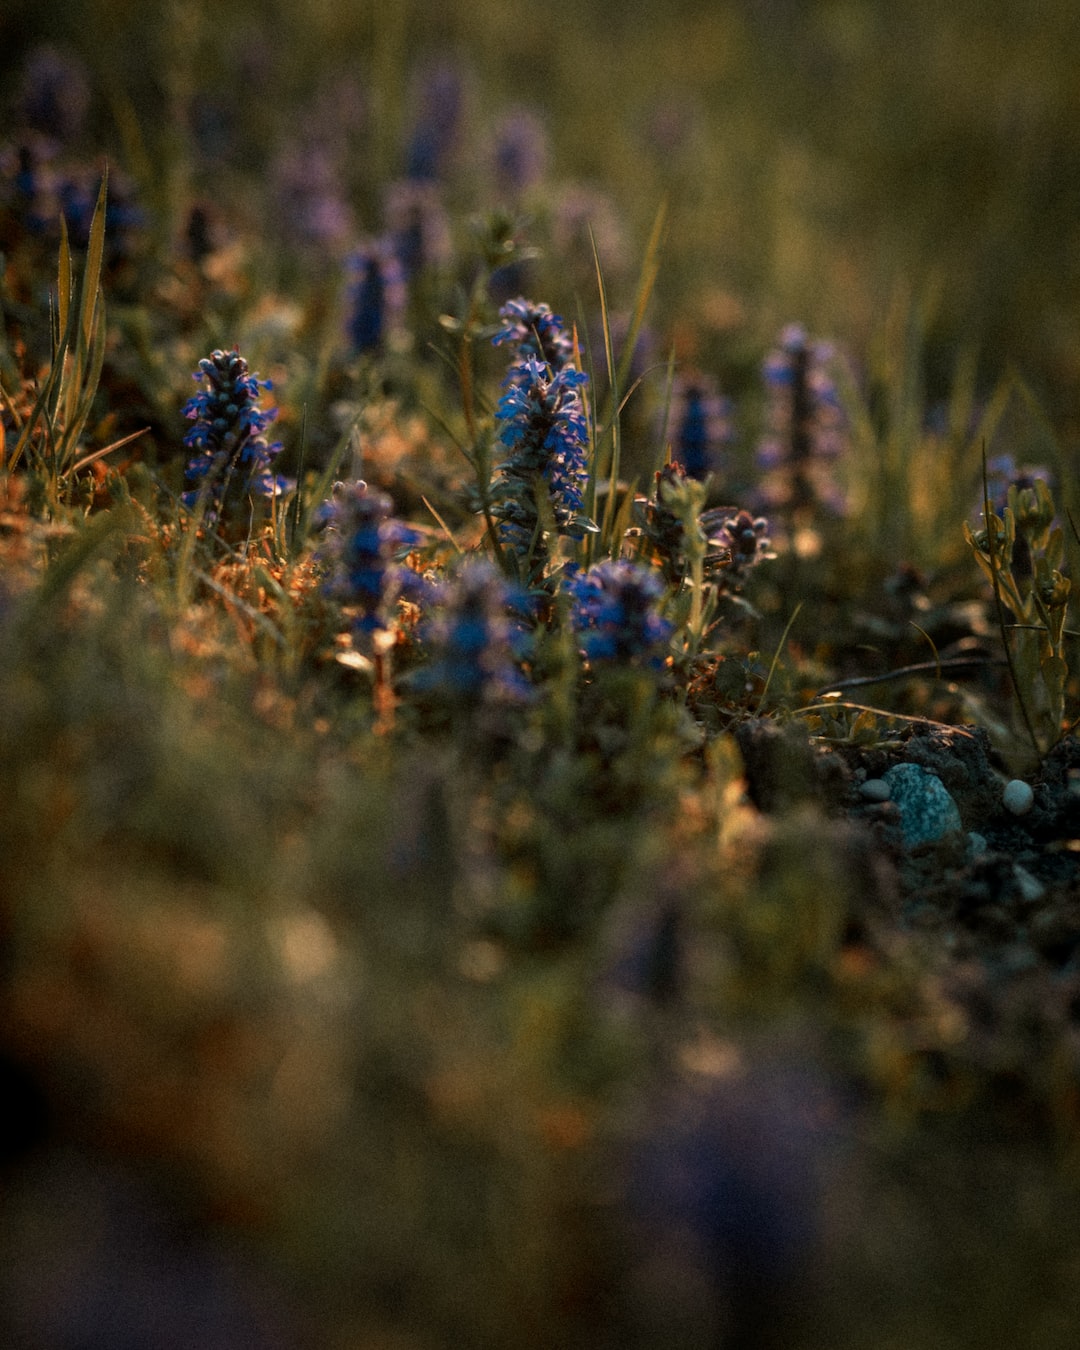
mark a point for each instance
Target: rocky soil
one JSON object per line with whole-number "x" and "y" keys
{"x": 959, "y": 869}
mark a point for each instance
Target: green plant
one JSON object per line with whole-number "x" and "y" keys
{"x": 1022, "y": 552}
{"x": 50, "y": 436}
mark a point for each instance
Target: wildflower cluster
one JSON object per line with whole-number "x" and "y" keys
{"x": 362, "y": 543}
{"x": 232, "y": 459}
{"x": 43, "y": 177}
{"x": 514, "y": 848}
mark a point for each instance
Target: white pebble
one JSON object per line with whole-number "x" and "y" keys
{"x": 875, "y": 790}
{"x": 1018, "y": 797}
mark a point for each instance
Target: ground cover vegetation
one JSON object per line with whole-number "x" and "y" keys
{"x": 541, "y": 803}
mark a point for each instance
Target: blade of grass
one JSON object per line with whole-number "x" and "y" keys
{"x": 613, "y": 427}
{"x": 87, "y": 460}
{"x": 47, "y": 396}
{"x": 650, "y": 270}
{"x": 85, "y": 387}
{"x": 445, "y": 528}
{"x": 296, "y": 507}
{"x": 64, "y": 280}
{"x": 776, "y": 658}
{"x": 663, "y": 455}
{"x": 95, "y": 252}
{"x": 912, "y": 719}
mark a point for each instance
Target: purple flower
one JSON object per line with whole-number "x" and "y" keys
{"x": 231, "y": 454}
{"x": 745, "y": 539}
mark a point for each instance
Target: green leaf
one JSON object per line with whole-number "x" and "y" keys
{"x": 64, "y": 280}
{"x": 91, "y": 282}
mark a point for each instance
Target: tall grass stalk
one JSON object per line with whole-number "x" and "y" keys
{"x": 49, "y": 439}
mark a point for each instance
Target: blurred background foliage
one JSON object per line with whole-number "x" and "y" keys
{"x": 817, "y": 155}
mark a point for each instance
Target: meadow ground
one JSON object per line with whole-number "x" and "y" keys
{"x": 540, "y": 803}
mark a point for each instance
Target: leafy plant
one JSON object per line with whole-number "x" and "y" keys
{"x": 1022, "y": 553}
{"x": 49, "y": 440}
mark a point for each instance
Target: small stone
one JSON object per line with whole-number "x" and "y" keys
{"x": 875, "y": 790}
{"x": 1031, "y": 889}
{"x": 977, "y": 844}
{"x": 1018, "y": 797}
{"x": 927, "y": 811}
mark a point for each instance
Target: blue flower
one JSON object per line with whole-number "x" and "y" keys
{"x": 43, "y": 188}
{"x": 545, "y": 430}
{"x": 542, "y": 481}
{"x": 536, "y": 332}
{"x": 700, "y": 425}
{"x": 806, "y": 426}
{"x": 614, "y": 614}
{"x": 475, "y": 642}
{"x": 231, "y": 454}
{"x": 376, "y": 297}
{"x": 359, "y": 550}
